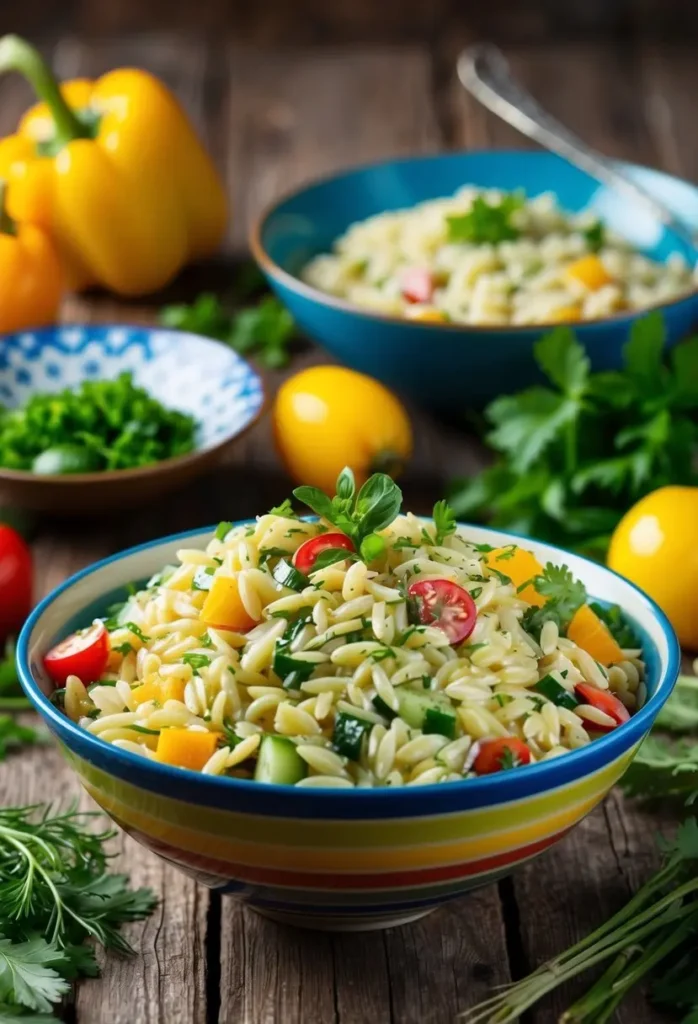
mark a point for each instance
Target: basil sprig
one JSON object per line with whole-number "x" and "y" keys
{"x": 359, "y": 516}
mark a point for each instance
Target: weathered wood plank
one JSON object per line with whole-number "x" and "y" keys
{"x": 271, "y": 973}
{"x": 593, "y": 88}
{"x": 669, "y": 79}
{"x": 294, "y": 116}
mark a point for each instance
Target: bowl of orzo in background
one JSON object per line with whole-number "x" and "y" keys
{"x": 375, "y": 263}
{"x": 348, "y": 858}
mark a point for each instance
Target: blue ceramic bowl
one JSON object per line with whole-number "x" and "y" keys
{"x": 186, "y": 372}
{"x": 328, "y": 858}
{"x": 450, "y": 365}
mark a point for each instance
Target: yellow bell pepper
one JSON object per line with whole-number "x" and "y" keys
{"x": 185, "y": 748}
{"x": 223, "y": 607}
{"x": 587, "y": 631}
{"x": 31, "y": 281}
{"x": 590, "y": 272}
{"x": 520, "y": 566}
{"x": 113, "y": 170}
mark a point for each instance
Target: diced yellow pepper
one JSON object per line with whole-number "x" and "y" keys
{"x": 146, "y": 691}
{"x": 172, "y": 689}
{"x": 426, "y": 315}
{"x": 520, "y": 566}
{"x": 223, "y": 607}
{"x": 587, "y": 631}
{"x": 185, "y": 748}
{"x": 564, "y": 315}
{"x": 589, "y": 271}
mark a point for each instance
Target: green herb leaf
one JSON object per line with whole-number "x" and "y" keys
{"x": 562, "y": 358}
{"x": 285, "y": 510}
{"x": 316, "y": 500}
{"x": 643, "y": 353}
{"x": 485, "y": 221}
{"x": 444, "y": 521}
{"x": 372, "y": 547}
{"x": 25, "y": 976}
{"x": 264, "y": 330}
{"x": 196, "y": 661}
{"x": 329, "y": 557}
{"x": 222, "y": 530}
{"x": 595, "y": 236}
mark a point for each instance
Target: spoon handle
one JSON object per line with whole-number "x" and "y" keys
{"x": 484, "y": 71}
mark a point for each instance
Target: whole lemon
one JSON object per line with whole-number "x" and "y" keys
{"x": 655, "y": 545}
{"x": 328, "y": 417}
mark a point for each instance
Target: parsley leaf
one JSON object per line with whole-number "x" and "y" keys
{"x": 222, "y": 530}
{"x": 564, "y": 594}
{"x": 196, "y": 661}
{"x": 264, "y": 330}
{"x": 444, "y": 521}
{"x": 285, "y": 510}
{"x": 595, "y": 235}
{"x": 25, "y": 974}
{"x": 485, "y": 221}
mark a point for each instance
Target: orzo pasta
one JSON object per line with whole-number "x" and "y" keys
{"x": 488, "y": 257}
{"x": 407, "y": 654}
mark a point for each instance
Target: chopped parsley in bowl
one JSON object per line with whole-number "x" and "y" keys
{"x": 98, "y": 426}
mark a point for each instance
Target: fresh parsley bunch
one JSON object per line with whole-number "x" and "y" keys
{"x": 56, "y": 892}
{"x": 573, "y": 456}
{"x": 264, "y": 330}
{"x": 358, "y": 515}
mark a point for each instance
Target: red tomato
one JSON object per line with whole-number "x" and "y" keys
{"x": 604, "y": 701}
{"x": 417, "y": 285}
{"x": 304, "y": 559}
{"x": 446, "y": 605}
{"x": 83, "y": 654}
{"x": 500, "y": 754}
{"x": 15, "y": 582}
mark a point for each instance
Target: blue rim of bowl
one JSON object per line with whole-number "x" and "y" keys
{"x": 68, "y": 480}
{"x": 564, "y": 766}
{"x": 307, "y": 291}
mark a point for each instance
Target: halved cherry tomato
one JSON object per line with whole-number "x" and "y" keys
{"x": 500, "y": 754}
{"x": 306, "y": 555}
{"x": 604, "y": 701}
{"x": 15, "y": 582}
{"x": 83, "y": 654}
{"x": 446, "y": 605}
{"x": 417, "y": 285}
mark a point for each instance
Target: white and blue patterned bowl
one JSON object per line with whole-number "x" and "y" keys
{"x": 186, "y": 372}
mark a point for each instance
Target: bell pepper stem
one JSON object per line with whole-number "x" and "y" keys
{"x": 18, "y": 55}
{"x": 7, "y": 225}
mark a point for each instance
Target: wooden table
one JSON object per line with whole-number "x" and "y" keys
{"x": 274, "y": 119}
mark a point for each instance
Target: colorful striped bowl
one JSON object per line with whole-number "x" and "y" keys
{"x": 338, "y": 859}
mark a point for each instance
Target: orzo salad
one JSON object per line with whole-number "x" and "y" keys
{"x": 369, "y": 648}
{"x": 491, "y": 257}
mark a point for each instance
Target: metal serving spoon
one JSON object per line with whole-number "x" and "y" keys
{"x": 484, "y": 71}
